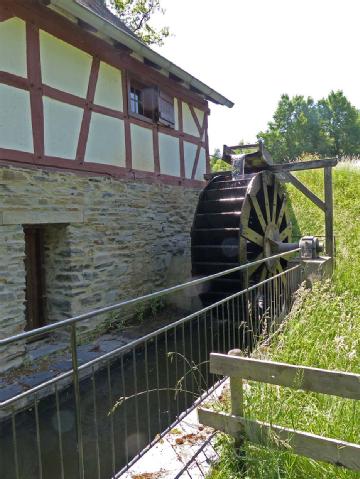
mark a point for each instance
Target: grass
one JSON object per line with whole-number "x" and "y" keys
{"x": 323, "y": 330}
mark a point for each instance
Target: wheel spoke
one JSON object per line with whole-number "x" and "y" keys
{"x": 266, "y": 201}
{"x": 274, "y": 206}
{"x": 263, "y": 273}
{"x": 281, "y": 212}
{"x": 252, "y": 269}
{"x": 259, "y": 213}
{"x": 252, "y": 236}
{"x": 279, "y": 269}
{"x": 285, "y": 233}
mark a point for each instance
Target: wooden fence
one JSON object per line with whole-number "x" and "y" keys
{"x": 335, "y": 383}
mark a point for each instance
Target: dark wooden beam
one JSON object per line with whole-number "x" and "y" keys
{"x": 151, "y": 64}
{"x": 301, "y": 187}
{"x": 210, "y": 176}
{"x": 175, "y": 78}
{"x": 302, "y": 165}
{"x": 329, "y": 213}
{"x": 86, "y": 26}
{"x": 121, "y": 47}
{"x": 242, "y": 147}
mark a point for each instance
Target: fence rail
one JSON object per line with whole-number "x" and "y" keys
{"x": 96, "y": 419}
{"x": 336, "y": 383}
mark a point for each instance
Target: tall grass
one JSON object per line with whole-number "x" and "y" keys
{"x": 323, "y": 331}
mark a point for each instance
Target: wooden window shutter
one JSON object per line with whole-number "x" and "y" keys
{"x": 166, "y": 109}
{"x": 149, "y": 101}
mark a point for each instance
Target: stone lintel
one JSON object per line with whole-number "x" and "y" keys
{"x": 27, "y": 216}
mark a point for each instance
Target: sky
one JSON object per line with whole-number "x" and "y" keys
{"x": 252, "y": 51}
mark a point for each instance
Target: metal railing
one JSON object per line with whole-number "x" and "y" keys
{"x": 96, "y": 419}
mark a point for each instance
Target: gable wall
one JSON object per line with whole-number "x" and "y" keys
{"x": 65, "y": 104}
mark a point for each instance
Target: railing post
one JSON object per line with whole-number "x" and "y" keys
{"x": 329, "y": 215}
{"x": 76, "y": 384}
{"x": 237, "y": 405}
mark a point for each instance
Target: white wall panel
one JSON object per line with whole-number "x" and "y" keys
{"x": 15, "y": 119}
{"x": 62, "y": 124}
{"x": 169, "y": 155}
{"x": 189, "y": 157}
{"x": 142, "y": 148}
{"x": 63, "y": 66}
{"x": 189, "y": 124}
{"x": 201, "y": 168}
{"x": 109, "y": 88}
{"x": 106, "y": 142}
{"x": 13, "y": 47}
{"x": 200, "y": 115}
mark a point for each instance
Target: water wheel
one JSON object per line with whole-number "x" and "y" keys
{"x": 239, "y": 221}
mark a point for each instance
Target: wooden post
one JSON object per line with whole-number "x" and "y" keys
{"x": 329, "y": 215}
{"x": 237, "y": 405}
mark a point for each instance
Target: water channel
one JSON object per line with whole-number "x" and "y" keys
{"x": 132, "y": 425}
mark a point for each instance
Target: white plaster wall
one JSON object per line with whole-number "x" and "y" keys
{"x": 189, "y": 124}
{"x": 169, "y": 155}
{"x": 15, "y": 119}
{"x": 109, "y": 88}
{"x": 106, "y": 141}
{"x": 13, "y": 47}
{"x": 142, "y": 148}
{"x": 189, "y": 157}
{"x": 201, "y": 168}
{"x": 63, "y": 66}
{"x": 62, "y": 124}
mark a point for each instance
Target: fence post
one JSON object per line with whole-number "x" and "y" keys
{"x": 237, "y": 406}
{"x": 329, "y": 215}
{"x": 76, "y": 385}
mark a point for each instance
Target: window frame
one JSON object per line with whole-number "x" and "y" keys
{"x": 155, "y": 118}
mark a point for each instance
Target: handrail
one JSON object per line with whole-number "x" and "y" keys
{"x": 136, "y": 342}
{"x": 107, "y": 309}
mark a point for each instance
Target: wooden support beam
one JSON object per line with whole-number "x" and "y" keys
{"x": 210, "y": 176}
{"x": 329, "y": 212}
{"x": 332, "y": 451}
{"x": 302, "y": 165}
{"x": 335, "y": 383}
{"x": 301, "y": 187}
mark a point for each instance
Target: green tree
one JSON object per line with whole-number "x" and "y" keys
{"x": 216, "y": 162}
{"x": 294, "y": 130}
{"x": 340, "y": 122}
{"x": 300, "y": 125}
{"x": 136, "y": 14}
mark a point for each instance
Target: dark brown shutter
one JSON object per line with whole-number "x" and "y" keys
{"x": 149, "y": 101}
{"x": 166, "y": 109}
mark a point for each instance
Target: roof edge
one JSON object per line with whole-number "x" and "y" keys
{"x": 116, "y": 33}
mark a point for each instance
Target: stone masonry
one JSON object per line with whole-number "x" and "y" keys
{"x": 106, "y": 240}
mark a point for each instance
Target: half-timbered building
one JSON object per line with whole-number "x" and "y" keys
{"x": 103, "y": 148}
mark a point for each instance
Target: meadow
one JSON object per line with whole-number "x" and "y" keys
{"x": 323, "y": 330}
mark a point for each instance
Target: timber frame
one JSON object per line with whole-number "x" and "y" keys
{"x": 38, "y": 17}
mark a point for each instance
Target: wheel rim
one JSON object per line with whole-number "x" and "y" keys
{"x": 264, "y": 222}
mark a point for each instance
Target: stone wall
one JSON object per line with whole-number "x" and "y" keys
{"x": 12, "y": 296}
{"x": 106, "y": 240}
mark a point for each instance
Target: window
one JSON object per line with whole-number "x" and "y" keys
{"x": 136, "y": 105}
{"x": 152, "y": 103}
{"x": 35, "y": 281}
